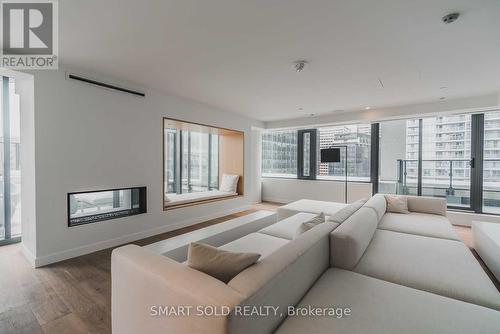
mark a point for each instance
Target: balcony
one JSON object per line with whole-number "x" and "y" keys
{"x": 446, "y": 178}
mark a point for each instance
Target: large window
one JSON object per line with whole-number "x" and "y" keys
{"x": 279, "y": 153}
{"x": 194, "y": 169}
{"x": 10, "y": 169}
{"x": 456, "y": 157}
{"x": 195, "y": 159}
{"x": 357, "y": 138}
{"x": 491, "y": 164}
{"x": 296, "y": 153}
{"x": 399, "y": 145}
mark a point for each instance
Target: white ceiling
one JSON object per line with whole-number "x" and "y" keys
{"x": 237, "y": 54}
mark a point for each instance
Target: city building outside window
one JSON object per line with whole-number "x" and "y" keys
{"x": 279, "y": 153}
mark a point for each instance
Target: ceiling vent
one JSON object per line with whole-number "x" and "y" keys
{"x": 105, "y": 85}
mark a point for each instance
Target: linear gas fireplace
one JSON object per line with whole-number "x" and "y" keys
{"x": 92, "y": 206}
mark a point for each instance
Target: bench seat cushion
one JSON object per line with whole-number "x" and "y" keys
{"x": 255, "y": 243}
{"x": 380, "y": 307}
{"x": 420, "y": 224}
{"x": 444, "y": 267}
{"x": 310, "y": 206}
{"x": 287, "y": 227}
{"x": 178, "y": 199}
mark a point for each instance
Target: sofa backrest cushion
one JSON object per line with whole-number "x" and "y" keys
{"x": 281, "y": 279}
{"x": 347, "y": 211}
{"x": 431, "y": 205}
{"x": 377, "y": 203}
{"x": 349, "y": 241}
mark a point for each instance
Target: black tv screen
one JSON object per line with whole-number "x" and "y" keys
{"x": 330, "y": 154}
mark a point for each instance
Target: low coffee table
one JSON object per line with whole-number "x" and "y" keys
{"x": 487, "y": 244}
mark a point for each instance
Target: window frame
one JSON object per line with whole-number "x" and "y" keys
{"x": 313, "y": 155}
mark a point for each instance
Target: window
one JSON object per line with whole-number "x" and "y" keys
{"x": 491, "y": 163}
{"x": 306, "y": 154}
{"x": 10, "y": 171}
{"x": 296, "y": 153}
{"x": 446, "y": 159}
{"x": 195, "y": 159}
{"x": 357, "y": 138}
{"x": 279, "y": 153}
{"x": 456, "y": 157}
{"x": 399, "y": 145}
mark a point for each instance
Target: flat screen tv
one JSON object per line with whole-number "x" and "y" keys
{"x": 330, "y": 154}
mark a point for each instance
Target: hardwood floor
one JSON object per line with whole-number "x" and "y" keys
{"x": 74, "y": 296}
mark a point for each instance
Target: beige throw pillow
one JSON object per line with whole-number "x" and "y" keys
{"x": 396, "y": 204}
{"x": 306, "y": 226}
{"x": 218, "y": 263}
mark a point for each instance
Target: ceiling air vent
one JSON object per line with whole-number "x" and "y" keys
{"x": 105, "y": 85}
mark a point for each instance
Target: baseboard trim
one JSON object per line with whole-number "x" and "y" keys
{"x": 87, "y": 249}
{"x": 28, "y": 255}
{"x": 276, "y": 200}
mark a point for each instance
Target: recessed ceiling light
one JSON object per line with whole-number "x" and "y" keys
{"x": 368, "y": 108}
{"x": 443, "y": 87}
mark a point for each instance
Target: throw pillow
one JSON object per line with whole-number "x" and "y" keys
{"x": 397, "y": 204}
{"x": 218, "y": 263}
{"x": 229, "y": 183}
{"x": 306, "y": 226}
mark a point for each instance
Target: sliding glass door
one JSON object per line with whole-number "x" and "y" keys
{"x": 446, "y": 159}
{"x": 10, "y": 171}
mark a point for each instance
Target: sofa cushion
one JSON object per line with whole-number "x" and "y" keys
{"x": 487, "y": 244}
{"x": 281, "y": 279}
{"x": 431, "y": 205}
{"x": 307, "y": 205}
{"x": 444, "y": 267}
{"x": 348, "y": 242}
{"x": 255, "y": 242}
{"x": 218, "y": 263}
{"x": 420, "y": 224}
{"x": 396, "y": 204}
{"x": 377, "y": 203}
{"x": 287, "y": 227}
{"x": 380, "y": 307}
{"x": 347, "y": 211}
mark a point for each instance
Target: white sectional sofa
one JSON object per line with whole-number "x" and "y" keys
{"x": 412, "y": 277}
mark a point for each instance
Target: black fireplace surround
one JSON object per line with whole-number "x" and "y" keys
{"x": 87, "y": 207}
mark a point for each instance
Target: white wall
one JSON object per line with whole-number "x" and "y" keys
{"x": 289, "y": 190}
{"x": 89, "y": 138}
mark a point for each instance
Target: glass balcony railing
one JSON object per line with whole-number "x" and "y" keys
{"x": 446, "y": 178}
